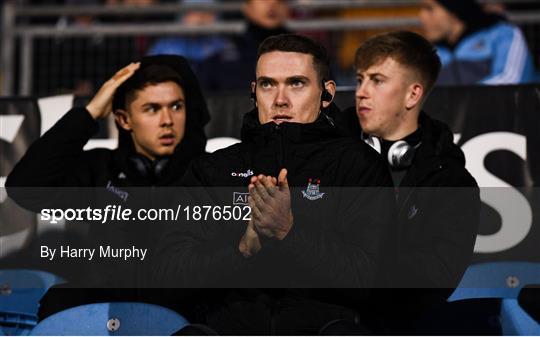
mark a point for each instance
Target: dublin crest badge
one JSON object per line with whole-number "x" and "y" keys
{"x": 312, "y": 190}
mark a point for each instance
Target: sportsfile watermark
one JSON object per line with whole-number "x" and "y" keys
{"x": 121, "y": 213}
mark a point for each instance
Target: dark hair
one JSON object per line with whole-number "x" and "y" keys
{"x": 299, "y": 44}
{"x": 151, "y": 74}
{"x": 408, "y": 49}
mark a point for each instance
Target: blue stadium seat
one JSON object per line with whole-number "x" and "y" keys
{"x": 112, "y": 319}
{"x": 501, "y": 280}
{"x": 516, "y": 321}
{"x": 20, "y": 293}
{"x": 496, "y": 280}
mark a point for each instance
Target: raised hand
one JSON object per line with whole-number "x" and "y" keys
{"x": 101, "y": 104}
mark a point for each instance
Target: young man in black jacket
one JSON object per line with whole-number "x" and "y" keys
{"x": 321, "y": 208}
{"x": 160, "y": 113}
{"x": 437, "y": 199}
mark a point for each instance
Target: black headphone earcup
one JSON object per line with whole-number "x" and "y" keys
{"x": 141, "y": 164}
{"x": 147, "y": 168}
{"x": 159, "y": 166}
{"x": 327, "y": 96}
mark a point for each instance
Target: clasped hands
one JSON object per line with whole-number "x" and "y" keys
{"x": 271, "y": 214}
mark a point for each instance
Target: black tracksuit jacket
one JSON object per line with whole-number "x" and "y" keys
{"x": 343, "y": 239}
{"x": 56, "y": 172}
{"x": 438, "y": 210}
{"x": 57, "y": 159}
{"x": 336, "y": 240}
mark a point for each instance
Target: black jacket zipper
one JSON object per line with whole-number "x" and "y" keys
{"x": 280, "y": 151}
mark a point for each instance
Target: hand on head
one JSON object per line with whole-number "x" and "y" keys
{"x": 101, "y": 105}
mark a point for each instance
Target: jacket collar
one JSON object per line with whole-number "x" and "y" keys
{"x": 323, "y": 128}
{"x": 436, "y": 151}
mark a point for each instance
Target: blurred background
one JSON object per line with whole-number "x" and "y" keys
{"x": 51, "y": 47}
{"x": 488, "y": 93}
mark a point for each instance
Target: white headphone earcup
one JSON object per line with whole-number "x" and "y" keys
{"x": 374, "y": 142}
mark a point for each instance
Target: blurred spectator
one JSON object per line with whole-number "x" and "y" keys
{"x": 234, "y": 67}
{"x": 350, "y": 40}
{"x": 474, "y": 46}
{"x": 495, "y": 8}
{"x": 195, "y": 48}
{"x": 79, "y": 64}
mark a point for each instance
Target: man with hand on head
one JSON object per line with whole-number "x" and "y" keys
{"x": 160, "y": 113}
{"x": 437, "y": 198}
{"x": 321, "y": 207}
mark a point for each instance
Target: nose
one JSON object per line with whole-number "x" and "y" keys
{"x": 166, "y": 118}
{"x": 361, "y": 90}
{"x": 281, "y": 99}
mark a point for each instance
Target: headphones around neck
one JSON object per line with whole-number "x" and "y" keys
{"x": 148, "y": 168}
{"x": 400, "y": 154}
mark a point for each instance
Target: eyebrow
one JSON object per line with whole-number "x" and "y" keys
{"x": 266, "y": 79}
{"x": 371, "y": 75}
{"x": 287, "y": 80}
{"x": 297, "y": 78}
{"x": 154, "y": 104}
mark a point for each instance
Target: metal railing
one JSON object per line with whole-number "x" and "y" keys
{"x": 13, "y": 30}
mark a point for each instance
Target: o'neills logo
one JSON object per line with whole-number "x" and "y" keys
{"x": 121, "y": 194}
{"x": 246, "y": 174}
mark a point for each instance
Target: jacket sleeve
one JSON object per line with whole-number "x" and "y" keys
{"x": 51, "y": 160}
{"x": 510, "y": 56}
{"x": 357, "y": 248}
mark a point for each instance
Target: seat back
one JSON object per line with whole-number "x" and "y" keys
{"x": 496, "y": 280}
{"x": 20, "y": 293}
{"x": 21, "y": 289}
{"x": 112, "y": 319}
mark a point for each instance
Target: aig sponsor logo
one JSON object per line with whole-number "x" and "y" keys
{"x": 240, "y": 198}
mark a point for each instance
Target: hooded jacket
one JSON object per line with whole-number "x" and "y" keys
{"x": 337, "y": 239}
{"x": 57, "y": 159}
{"x": 438, "y": 211}
{"x": 438, "y": 207}
{"x": 57, "y": 173}
{"x": 342, "y": 204}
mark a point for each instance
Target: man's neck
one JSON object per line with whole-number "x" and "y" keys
{"x": 401, "y": 133}
{"x": 406, "y": 126}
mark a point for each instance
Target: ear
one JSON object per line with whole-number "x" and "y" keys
{"x": 122, "y": 118}
{"x": 330, "y": 86}
{"x": 254, "y": 92}
{"x": 414, "y": 96}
